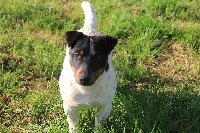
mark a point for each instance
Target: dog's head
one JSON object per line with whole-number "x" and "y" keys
{"x": 88, "y": 55}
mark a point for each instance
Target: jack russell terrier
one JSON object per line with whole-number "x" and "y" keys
{"x": 88, "y": 79}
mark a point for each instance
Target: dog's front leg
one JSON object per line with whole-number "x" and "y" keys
{"x": 102, "y": 114}
{"x": 72, "y": 119}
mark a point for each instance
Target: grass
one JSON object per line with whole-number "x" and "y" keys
{"x": 156, "y": 61}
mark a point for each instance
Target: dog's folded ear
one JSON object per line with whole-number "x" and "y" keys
{"x": 109, "y": 42}
{"x": 71, "y": 37}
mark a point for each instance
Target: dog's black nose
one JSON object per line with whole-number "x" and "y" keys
{"x": 85, "y": 80}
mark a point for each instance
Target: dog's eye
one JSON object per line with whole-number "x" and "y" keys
{"x": 76, "y": 56}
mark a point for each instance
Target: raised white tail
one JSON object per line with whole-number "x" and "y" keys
{"x": 90, "y": 16}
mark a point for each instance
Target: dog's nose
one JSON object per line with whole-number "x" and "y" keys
{"x": 85, "y": 80}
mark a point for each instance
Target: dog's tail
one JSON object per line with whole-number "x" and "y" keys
{"x": 90, "y": 16}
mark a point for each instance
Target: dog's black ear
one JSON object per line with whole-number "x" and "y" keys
{"x": 109, "y": 42}
{"x": 71, "y": 37}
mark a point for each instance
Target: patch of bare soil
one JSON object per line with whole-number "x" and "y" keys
{"x": 175, "y": 64}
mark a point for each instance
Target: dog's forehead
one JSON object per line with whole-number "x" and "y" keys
{"x": 90, "y": 42}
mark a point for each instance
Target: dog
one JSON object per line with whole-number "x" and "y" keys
{"x": 88, "y": 79}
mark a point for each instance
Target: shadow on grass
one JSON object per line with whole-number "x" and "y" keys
{"x": 154, "y": 105}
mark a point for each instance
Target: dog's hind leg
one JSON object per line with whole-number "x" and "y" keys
{"x": 72, "y": 119}
{"x": 102, "y": 114}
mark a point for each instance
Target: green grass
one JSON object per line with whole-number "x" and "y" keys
{"x": 156, "y": 61}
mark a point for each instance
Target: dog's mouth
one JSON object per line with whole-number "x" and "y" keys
{"x": 85, "y": 84}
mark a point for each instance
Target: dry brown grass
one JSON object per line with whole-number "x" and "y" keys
{"x": 175, "y": 65}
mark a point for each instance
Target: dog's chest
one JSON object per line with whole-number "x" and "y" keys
{"x": 92, "y": 96}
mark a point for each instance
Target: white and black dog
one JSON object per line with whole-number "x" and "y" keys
{"x": 88, "y": 79}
